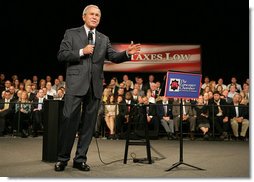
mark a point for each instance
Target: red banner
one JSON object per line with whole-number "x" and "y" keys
{"x": 159, "y": 58}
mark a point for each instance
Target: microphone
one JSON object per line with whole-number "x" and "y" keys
{"x": 90, "y": 38}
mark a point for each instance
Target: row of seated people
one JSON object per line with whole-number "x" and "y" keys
{"x": 19, "y": 114}
{"x": 223, "y": 117}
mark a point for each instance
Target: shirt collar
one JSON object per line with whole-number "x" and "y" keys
{"x": 88, "y": 29}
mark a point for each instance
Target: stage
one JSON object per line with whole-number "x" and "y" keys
{"x": 22, "y": 157}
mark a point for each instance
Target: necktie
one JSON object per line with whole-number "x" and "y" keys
{"x": 117, "y": 109}
{"x": 219, "y": 108}
{"x": 165, "y": 109}
{"x": 90, "y": 38}
{"x": 184, "y": 108}
{"x": 6, "y": 105}
{"x": 236, "y": 111}
{"x": 129, "y": 107}
{"x": 147, "y": 109}
{"x": 40, "y": 104}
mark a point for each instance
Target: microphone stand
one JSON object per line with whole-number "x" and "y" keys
{"x": 181, "y": 143}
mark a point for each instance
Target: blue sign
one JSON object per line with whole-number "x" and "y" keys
{"x": 182, "y": 85}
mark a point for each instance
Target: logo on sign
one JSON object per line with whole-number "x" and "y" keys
{"x": 174, "y": 85}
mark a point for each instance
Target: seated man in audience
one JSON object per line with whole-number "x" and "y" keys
{"x": 225, "y": 96}
{"x": 59, "y": 95}
{"x": 188, "y": 116}
{"x": 140, "y": 92}
{"x": 144, "y": 113}
{"x": 238, "y": 116}
{"x": 121, "y": 117}
{"x": 219, "y": 112}
{"x": 164, "y": 111}
{"x": 31, "y": 95}
{"x": 135, "y": 94}
{"x": 234, "y": 82}
{"x": 6, "y": 113}
{"x": 151, "y": 115}
{"x": 51, "y": 93}
{"x": 37, "y": 113}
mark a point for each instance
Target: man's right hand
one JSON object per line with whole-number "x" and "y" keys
{"x": 88, "y": 49}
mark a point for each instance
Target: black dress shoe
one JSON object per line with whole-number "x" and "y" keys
{"x": 24, "y": 133}
{"x": 97, "y": 134}
{"x": 35, "y": 134}
{"x": 171, "y": 136}
{"x": 81, "y": 166}
{"x": 60, "y": 166}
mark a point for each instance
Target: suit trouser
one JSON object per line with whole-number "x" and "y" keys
{"x": 2, "y": 120}
{"x": 191, "y": 120}
{"x": 37, "y": 120}
{"x": 3, "y": 116}
{"x": 168, "y": 125}
{"x": 74, "y": 121}
{"x": 219, "y": 125}
{"x": 235, "y": 125}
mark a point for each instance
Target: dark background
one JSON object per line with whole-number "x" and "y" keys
{"x": 32, "y": 32}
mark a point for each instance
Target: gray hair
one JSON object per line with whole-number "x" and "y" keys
{"x": 90, "y": 6}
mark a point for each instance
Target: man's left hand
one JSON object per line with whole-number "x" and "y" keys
{"x": 133, "y": 48}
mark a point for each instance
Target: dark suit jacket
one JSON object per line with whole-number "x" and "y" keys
{"x": 32, "y": 97}
{"x": 161, "y": 112}
{"x": 213, "y": 108}
{"x": 129, "y": 107}
{"x": 82, "y": 70}
{"x": 176, "y": 109}
{"x": 35, "y": 103}
{"x": 122, "y": 109}
{"x": 11, "y": 106}
{"x": 151, "y": 109}
{"x": 242, "y": 109}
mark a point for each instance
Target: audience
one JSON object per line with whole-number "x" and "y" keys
{"x": 223, "y": 107}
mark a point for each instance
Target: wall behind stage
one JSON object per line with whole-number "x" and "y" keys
{"x": 31, "y": 32}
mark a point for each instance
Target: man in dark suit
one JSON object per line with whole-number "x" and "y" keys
{"x": 6, "y": 113}
{"x": 165, "y": 115}
{"x": 188, "y": 116}
{"x": 218, "y": 115}
{"x": 37, "y": 112}
{"x": 31, "y": 95}
{"x": 84, "y": 49}
{"x": 238, "y": 116}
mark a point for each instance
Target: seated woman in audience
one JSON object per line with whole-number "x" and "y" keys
{"x": 149, "y": 96}
{"x": 16, "y": 85}
{"x": 202, "y": 121}
{"x": 22, "y": 114}
{"x": 127, "y": 86}
{"x": 21, "y": 86}
{"x": 206, "y": 89}
{"x": 220, "y": 89}
{"x": 245, "y": 94}
{"x": 212, "y": 85}
{"x": 110, "y": 113}
{"x": 106, "y": 92}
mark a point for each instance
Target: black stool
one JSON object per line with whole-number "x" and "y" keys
{"x": 146, "y": 142}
